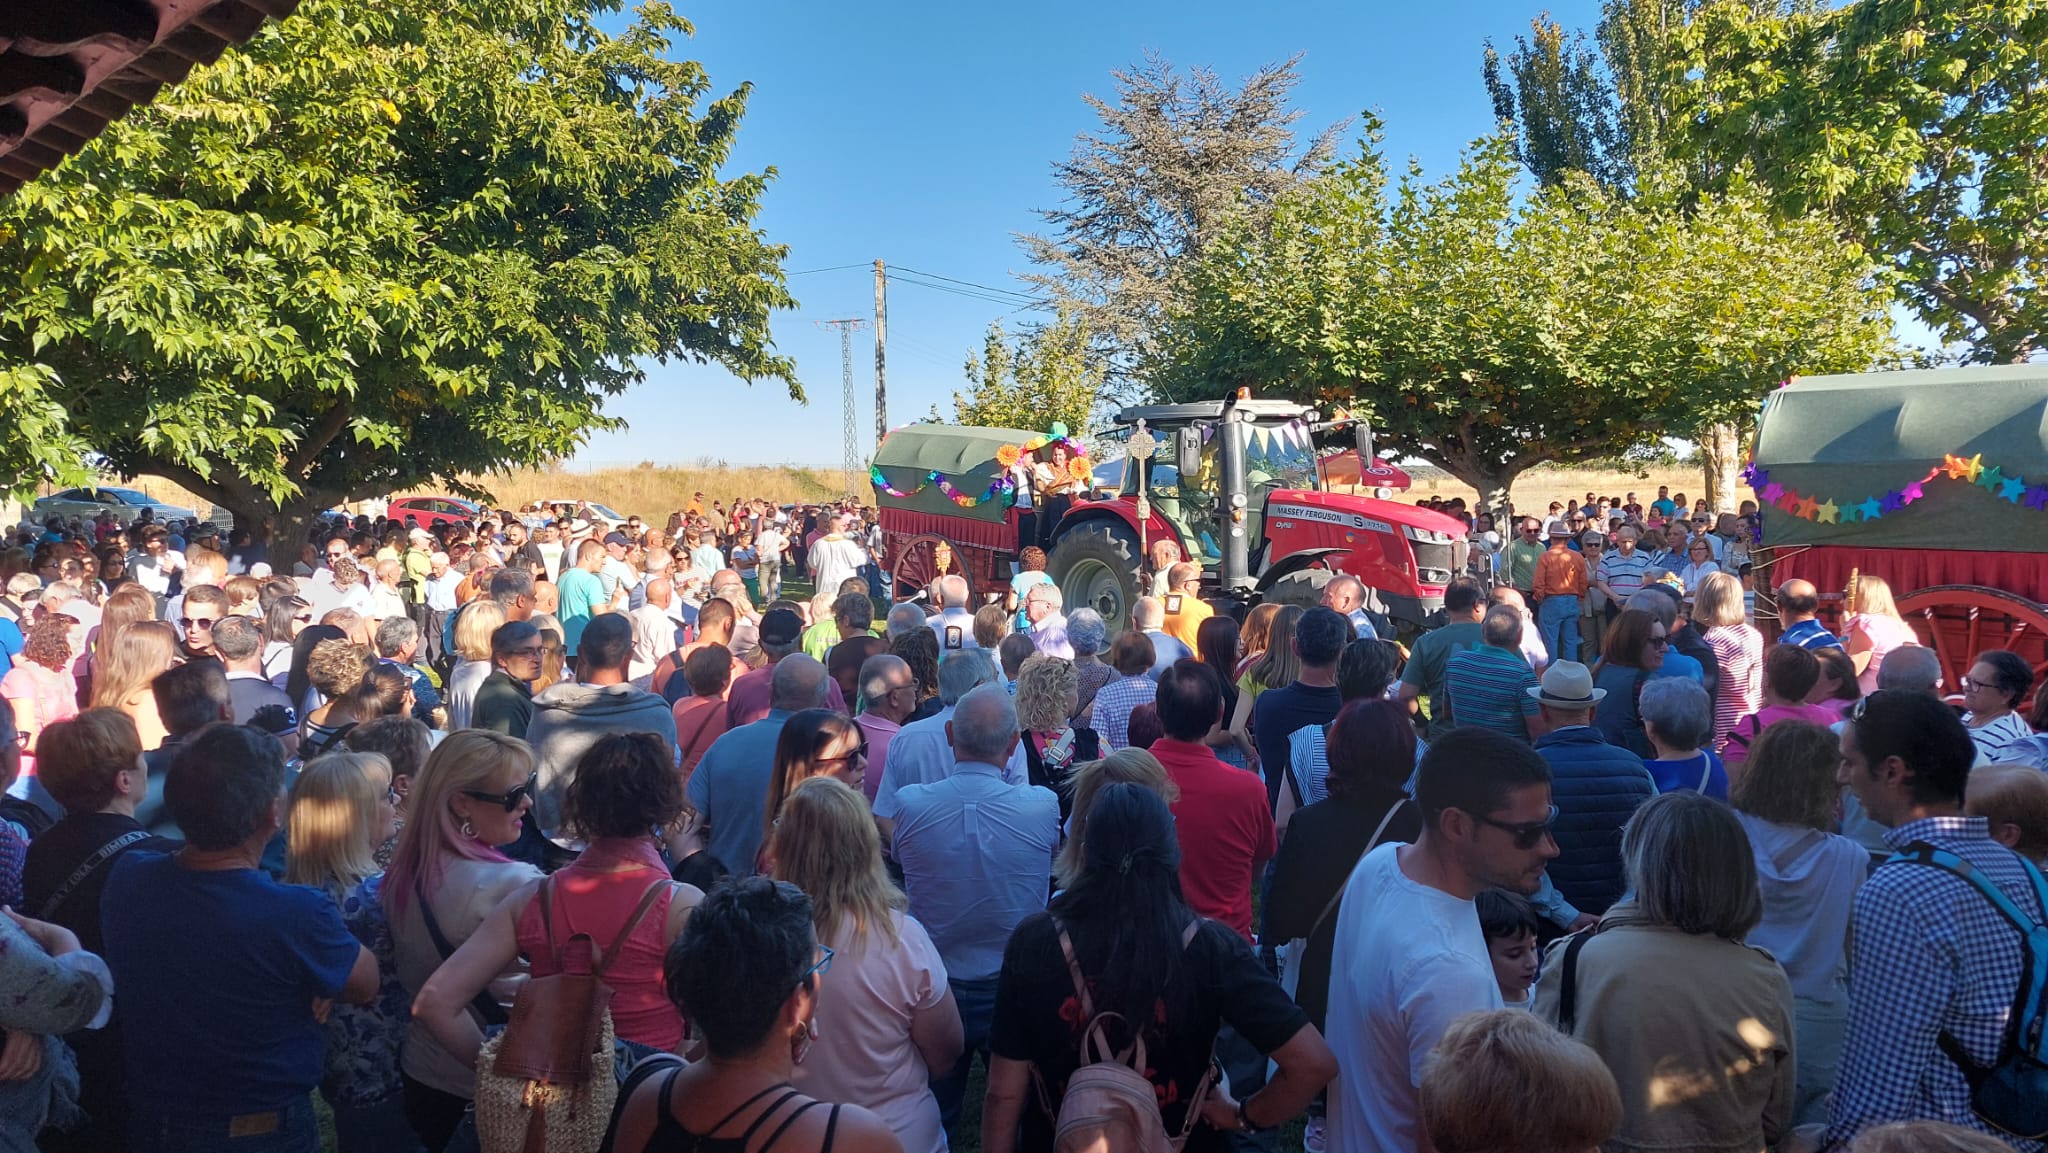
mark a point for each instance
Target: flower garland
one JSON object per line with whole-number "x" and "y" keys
{"x": 2012, "y": 489}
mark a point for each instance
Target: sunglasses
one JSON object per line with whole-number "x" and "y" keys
{"x": 1525, "y": 836}
{"x": 204, "y": 624}
{"x": 510, "y": 800}
{"x": 1661, "y": 642}
{"x": 821, "y": 967}
{"x": 859, "y": 750}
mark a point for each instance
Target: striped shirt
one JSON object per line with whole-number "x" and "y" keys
{"x": 1487, "y": 688}
{"x": 1114, "y": 703}
{"x": 1624, "y": 572}
{"x": 2006, "y": 739}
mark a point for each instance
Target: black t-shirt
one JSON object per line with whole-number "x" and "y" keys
{"x": 1037, "y": 1018}
{"x": 251, "y": 693}
{"x": 1277, "y": 713}
{"x": 57, "y": 853}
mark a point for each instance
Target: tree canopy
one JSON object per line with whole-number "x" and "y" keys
{"x": 1487, "y": 331}
{"x": 1179, "y": 156}
{"x": 1920, "y": 126}
{"x": 384, "y": 245}
{"x": 1048, "y": 376}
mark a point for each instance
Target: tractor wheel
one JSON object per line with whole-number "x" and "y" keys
{"x": 1097, "y": 565}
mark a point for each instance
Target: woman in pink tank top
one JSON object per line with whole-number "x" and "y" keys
{"x": 617, "y": 893}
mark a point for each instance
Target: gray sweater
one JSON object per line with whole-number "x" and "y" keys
{"x": 569, "y": 718}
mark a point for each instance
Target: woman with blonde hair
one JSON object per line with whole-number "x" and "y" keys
{"x": 127, "y": 605}
{"x": 140, "y": 652}
{"x": 890, "y": 1023}
{"x": 1048, "y": 692}
{"x": 814, "y": 743}
{"x": 1738, "y": 649}
{"x": 1503, "y": 1082}
{"x": 480, "y": 618}
{"x": 444, "y": 880}
{"x": 1276, "y": 665}
{"x": 1872, "y": 628}
{"x": 1133, "y": 766}
{"x": 342, "y": 808}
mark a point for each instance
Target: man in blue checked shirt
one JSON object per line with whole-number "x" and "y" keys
{"x": 1929, "y": 955}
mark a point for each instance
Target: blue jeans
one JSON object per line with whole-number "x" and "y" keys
{"x": 977, "y": 1003}
{"x": 1557, "y": 622}
{"x": 290, "y": 1129}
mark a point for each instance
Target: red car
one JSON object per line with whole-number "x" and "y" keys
{"x": 428, "y": 511}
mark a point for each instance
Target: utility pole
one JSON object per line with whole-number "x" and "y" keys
{"x": 881, "y": 354}
{"x": 846, "y": 328}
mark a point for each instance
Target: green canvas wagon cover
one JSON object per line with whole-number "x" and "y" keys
{"x": 1851, "y": 439}
{"x": 965, "y": 456}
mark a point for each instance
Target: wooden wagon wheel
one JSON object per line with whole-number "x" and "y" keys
{"x": 923, "y": 559}
{"x": 1960, "y": 621}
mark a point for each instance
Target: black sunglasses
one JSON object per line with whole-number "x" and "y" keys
{"x": 1526, "y": 836}
{"x": 509, "y": 800}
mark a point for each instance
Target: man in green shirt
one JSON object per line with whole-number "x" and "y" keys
{"x": 582, "y": 593}
{"x": 1518, "y": 560}
{"x": 1465, "y": 606}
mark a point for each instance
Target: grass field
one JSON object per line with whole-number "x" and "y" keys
{"x": 653, "y": 491}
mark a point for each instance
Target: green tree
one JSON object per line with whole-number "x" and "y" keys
{"x": 1919, "y": 126}
{"x": 385, "y": 245}
{"x": 1179, "y": 157}
{"x": 1049, "y": 375}
{"x": 1487, "y": 331}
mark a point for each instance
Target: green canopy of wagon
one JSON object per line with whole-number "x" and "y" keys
{"x": 1927, "y": 459}
{"x": 965, "y": 458}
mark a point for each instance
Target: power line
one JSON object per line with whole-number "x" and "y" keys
{"x": 830, "y": 268}
{"x": 967, "y": 283}
{"x": 971, "y": 294}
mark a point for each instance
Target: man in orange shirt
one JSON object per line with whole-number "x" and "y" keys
{"x": 1185, "y": 609}
{"x": 1560, "y": 582}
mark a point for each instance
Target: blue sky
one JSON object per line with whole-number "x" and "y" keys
{"x": 923, "y": 134}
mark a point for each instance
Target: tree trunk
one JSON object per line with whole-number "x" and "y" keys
{"x": 1491, "y": 484}
{"x": 1721, "y": 452}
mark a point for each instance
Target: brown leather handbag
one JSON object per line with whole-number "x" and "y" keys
{"x": 546, "y": 1084}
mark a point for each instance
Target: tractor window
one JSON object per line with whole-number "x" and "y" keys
{"x": 1277, "y": 463}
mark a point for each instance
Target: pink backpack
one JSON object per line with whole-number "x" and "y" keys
{"x": 1109, "y": 1104}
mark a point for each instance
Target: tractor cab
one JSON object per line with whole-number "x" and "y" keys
{"x": 1238, "y": 487}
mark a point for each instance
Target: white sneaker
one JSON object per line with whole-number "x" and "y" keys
{"x": 1312, "y": 1135}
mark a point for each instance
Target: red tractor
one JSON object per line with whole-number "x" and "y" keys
{"x": 1237, "y": 485}
{"x": 1234, "y": 484}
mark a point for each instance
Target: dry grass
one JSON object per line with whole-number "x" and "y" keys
{"x": 1535, "y": 489}
{"x": 653, "y": 492}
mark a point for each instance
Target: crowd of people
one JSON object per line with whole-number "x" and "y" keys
{"x": 334, "y": 838}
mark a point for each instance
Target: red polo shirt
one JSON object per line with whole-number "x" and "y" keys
{"x": 1225, "y": 830}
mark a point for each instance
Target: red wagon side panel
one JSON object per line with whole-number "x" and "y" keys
{"x": 1907, "y": 569}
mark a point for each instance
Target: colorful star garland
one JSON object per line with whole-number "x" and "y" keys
{"x": 1972, "y": 469}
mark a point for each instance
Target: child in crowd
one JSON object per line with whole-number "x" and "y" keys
{"x": 1509, "y": 922}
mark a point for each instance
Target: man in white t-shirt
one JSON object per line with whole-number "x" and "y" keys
{"x": 1410, "y": 957}
{"x": 836, "y": 556}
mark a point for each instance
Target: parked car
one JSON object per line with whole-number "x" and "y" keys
{"x": 126, "y": 503}
{"x": 428, "y": 511}
{"x": 590, "y": 509}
